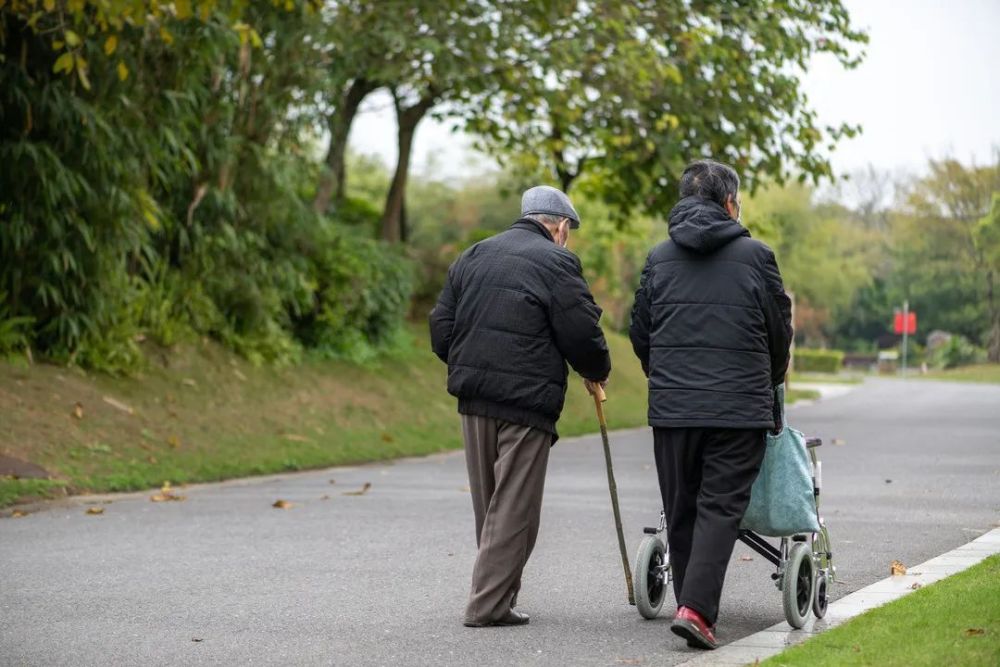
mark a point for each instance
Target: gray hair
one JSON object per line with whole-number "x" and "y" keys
{"x": 710, "y": 180}
{"x": 546, "y": 219}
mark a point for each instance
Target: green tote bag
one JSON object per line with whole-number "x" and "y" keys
{"x": 781, "y": 500}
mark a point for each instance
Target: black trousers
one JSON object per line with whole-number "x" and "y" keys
{"x": 705, "y": 479}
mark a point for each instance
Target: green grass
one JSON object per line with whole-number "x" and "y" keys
{"x": 954, "y": 622}
{"x": 826, "y": 378}
{"x": 977, "y": 373}
{"x": 201, "y": 414}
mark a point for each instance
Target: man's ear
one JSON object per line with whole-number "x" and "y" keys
{"x": 731, "y": 207}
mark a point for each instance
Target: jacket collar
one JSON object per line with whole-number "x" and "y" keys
{"x": 533, "y": 226}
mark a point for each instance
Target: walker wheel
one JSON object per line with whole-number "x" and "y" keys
{"x": 797, "y": 584}
{"x": 821, "y": 600}
{"x": 649, "y": 578}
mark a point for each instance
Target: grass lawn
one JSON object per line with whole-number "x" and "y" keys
{"x": 954, "y": 622}
{"x": 204, "y": 414}
{"x": 977, "y": 373}
{"x": 201, "y": 413}
{"x": 826, "y": 378}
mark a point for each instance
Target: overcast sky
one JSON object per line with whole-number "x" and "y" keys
{"x": 929, "y": 87}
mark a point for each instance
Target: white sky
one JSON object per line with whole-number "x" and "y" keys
{"x": 929, "y": 87}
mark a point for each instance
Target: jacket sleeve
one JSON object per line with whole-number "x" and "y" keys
{"x": 574, "y": 317}
{"x": 442, "y": 317}
{"x": 777, "y": 319}
{"x": 638, "y": 330}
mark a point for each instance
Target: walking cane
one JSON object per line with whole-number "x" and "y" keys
{"x": 597, "y": 391}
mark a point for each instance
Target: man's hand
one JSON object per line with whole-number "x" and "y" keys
{"x": 592, "y": 386}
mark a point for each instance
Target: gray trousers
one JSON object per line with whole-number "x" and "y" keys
{"x": 506, "y": 476}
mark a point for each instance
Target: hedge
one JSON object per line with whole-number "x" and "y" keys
{"x": 818, "y": 361}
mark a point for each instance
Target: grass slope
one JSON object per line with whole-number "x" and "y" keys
{"x": 953, "y": 622}
{"x": 203, "y": 414}
{"x": 200, "y": 414}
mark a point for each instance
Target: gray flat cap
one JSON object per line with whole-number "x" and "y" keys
{"x": 546, "y": 200}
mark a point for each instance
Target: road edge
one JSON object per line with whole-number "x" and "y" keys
{"x": 775, "y": 639}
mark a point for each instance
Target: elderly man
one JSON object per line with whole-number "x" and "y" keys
{"x": 514, "y": 309}
{"x": 711, "y": 326}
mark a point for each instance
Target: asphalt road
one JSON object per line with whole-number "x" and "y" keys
{"x": 381, "y": 578}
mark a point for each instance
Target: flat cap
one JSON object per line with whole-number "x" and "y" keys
{"x": 546, "y": 200}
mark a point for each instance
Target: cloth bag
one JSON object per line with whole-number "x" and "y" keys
{"x": 781, "y": 499}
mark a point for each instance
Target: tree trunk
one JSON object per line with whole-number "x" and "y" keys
{"x": 407, "y": 118}
{"x": 331, "y": 183}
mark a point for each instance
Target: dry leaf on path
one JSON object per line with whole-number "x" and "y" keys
{"x": 325, "y": 496}
{"x": 916, "y": 585}
{"x": 839, "y": 442}
{"x": 282, "y": 505}
{"x": 975, "y": 632}
{"x": 197, "y": 639}
{"x": 95, "y": 510}
{"x": 119, "y": 405}
{"x": 17, "y": 514}
{"x": 166, "y": 494}
{"x": 897, "y": 568}
{"x": 333, "y": 481}
{"x": 746, "y": 558}
{"x": 363, "y": 491}
{"x": 78, "y": 410}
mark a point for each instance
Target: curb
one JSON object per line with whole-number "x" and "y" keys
{"x": 775, "y": 639}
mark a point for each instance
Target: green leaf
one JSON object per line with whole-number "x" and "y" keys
{"x": 64, "y": 63}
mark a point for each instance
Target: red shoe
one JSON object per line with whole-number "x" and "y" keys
{"x": 693, "y": 627}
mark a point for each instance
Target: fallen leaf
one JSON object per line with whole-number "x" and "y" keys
{"x": 975, "y": 632}
{"x": 333, "y": 481}
{"x": 151, "y": 459}
{"x": 173, "y": 441}
{"x": 746, "y": 558}
{"x": 888, "y": 481}
{"x": 839, "y": 442}
{"x": 387, "y": 438}
{"x": 17, "y": 514}
{"x": 197, "y": 639}
{"x": 916, "y": 585}
{"x": 188, "y": 382}
{"x": 166, "y": 494}
{"x": 296, "y": 438}
{"x": 324, "y": 497}
{"x": 856, "y": 648}
{"x": 119, "y": 405}
{"x": 363, "y": 491}
{"x": 282, "y": 505}
{"x": 897, "y": 568}
{"x": 95, "y": 510}
{"x": 240, "y": 376}
{"x": 78, "y": 410}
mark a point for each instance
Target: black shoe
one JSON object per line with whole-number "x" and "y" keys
{"x": 510, "y": 618}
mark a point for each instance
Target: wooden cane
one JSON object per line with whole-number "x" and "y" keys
{"x": 597, "y": 391}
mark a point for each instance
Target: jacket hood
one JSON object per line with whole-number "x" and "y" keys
{"x": 702, "y": 225}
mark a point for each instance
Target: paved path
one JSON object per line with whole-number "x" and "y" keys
{"x": 223, "y": 578}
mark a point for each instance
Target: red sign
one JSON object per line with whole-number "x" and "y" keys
{"x": 910, "y": 325}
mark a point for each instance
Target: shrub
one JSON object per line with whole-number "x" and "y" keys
{"x": 958, "y": 351}
{"x": 818, "y": 361}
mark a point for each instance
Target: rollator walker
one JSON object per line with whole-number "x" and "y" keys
{"x": 803, "y": 562}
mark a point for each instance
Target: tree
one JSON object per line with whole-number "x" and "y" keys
{"x": 941, "y": 256}
{"x": 631, "y": 92}
{"x": 986, "y": 236}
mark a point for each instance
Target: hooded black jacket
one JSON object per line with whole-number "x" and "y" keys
{"x": 711, "y": 323}
{"x": 514, "y": 309}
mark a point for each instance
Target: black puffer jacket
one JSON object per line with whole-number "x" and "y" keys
{"x": 711, "y": 323}
{"x": 514, "y": 309}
